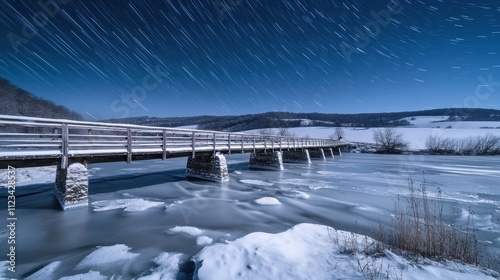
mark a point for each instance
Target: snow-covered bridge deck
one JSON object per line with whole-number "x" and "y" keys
{"x": 27, "y": 141}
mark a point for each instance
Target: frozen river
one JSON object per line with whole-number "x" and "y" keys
{"x": 355, "y": 192}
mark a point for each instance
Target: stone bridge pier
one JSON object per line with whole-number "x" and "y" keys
{"x": 317, "y": 154}
{"x": 208, "y": 166}
{"x": 267, "y": 160}
{"x": 299, "y": 156}
{"x": 72, "y": 186}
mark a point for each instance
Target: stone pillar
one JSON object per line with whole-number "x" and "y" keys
{"x": 208, "y": 167}
{"x": 317, "y": 154}
{"x": 297, "y": 156}
{"x": 72, "y": 186}
{"x": 269, "y": 160}
{"x": 331, "y": 152}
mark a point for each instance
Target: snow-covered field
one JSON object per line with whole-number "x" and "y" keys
{"x": 415, "y": 134}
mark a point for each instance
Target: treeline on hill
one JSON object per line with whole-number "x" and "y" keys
{"x": 16, "y": 101}
{"x": 287, "y": 119}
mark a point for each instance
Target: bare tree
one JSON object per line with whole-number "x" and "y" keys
{"x": 284, "y": 131}
{"x": 433, "y": 144}
{"x": 389, "y": 141}
{"x": 339, "y": 133}
{"x": 266, "y": 131}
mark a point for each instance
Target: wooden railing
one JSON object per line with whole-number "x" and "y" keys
{"x": 28, "y": 138}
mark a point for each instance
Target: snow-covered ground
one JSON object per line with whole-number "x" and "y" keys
{"x": 415, "y": 134}
{"x": 310, "y": 251}
{"x": 306, "y": 251}
{"x": 34, "y": 175}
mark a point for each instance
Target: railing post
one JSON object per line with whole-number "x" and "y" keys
{"x": 265, "y": 144}
{"x": 229, "y": 142}
{"x": 164, "y": 145}
{"x": 129, "y": 145}
{"x": 281, "y": 138}
{"x": 214, "y": 143}
{"x": 242, "y": 144}
{"x": 272, "y": 143}
{"x": 64, "y": 145}
{"x": 254, "y": 144}
{"x": 193, "y": 144}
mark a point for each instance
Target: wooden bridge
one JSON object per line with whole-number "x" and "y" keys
{"x": 72, "y": 145}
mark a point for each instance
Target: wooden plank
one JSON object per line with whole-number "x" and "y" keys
{"x": 64, "y": 146}
{"x": 99, "y": 142}
{"x": 164, "y": 145}
{"x": 129, "y": 145}
{"x": 214, "y": 143}
{"x": 29, "y": 135}
{"x": 28, "y": 124}
{"x": 38, "y": 140}
{"x": 38, "y": 145}
{"x": 90, "y": 145}
{"x": 193, "y": 144}
{"x": 84, "y": 136}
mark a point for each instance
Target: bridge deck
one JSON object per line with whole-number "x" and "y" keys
{"x": 26, "y": 141}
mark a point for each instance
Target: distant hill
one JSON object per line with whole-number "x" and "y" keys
{"x": 16, "y": 101}
{"x": 287, "y": 119}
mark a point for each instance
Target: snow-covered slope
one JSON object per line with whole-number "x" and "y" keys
{"x": 309, "y": 251}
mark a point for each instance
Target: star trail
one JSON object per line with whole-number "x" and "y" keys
{"x": 111, "y": 59}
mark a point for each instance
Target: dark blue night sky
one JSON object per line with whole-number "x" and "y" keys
{"x": 110, "y": 59}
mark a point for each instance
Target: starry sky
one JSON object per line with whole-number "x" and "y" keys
{"x": 125, "y": 58}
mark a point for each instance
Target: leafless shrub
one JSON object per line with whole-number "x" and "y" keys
{"x": 389, "y": 141}
{"x": 488, "y": 144}
{"x": 480, "y": 145}
{"x": 367, "y": 252}
{"x": 419, "y": 228}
